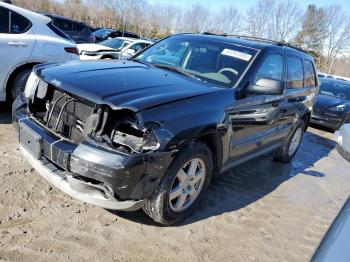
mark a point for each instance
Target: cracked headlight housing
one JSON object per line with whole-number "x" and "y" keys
{"x": 31, "y": 86}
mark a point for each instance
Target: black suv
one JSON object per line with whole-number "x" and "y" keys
{"x": 151, "y": 131}
{"x": 77, "y": 31}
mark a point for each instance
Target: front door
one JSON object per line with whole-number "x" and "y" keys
{"x": 255, "y": 127}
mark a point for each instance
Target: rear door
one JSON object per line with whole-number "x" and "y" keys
{"x": 296, "y": 93}
{"x": 255, "y": 128}
{"x": 16, "y": 42}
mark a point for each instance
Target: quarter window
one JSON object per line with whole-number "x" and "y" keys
{"x": 295, "y": 72}
{"x": 4, "y": 20}
{"x": 19, "y": 24}
{"x": 63, "y": 24}
{"x": 271, "y": 68}
{"x": 310, "y": 78}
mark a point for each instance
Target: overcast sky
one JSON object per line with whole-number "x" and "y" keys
{"x": 243, "y": 4}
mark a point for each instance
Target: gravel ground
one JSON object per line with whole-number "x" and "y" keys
{"x": 258, "y": 211}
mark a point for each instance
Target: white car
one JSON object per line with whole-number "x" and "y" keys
{"x": 28, "y": 39}
{"x": 113, "y": 48}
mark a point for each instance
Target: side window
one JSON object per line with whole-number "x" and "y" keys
{"x": 63, "y": 24}
{"x": 272, "y": 68}
{"x": 310, "y": 78}
{"x": 295, "y": 72}
{"x": 4, "y": 20}
{"x": 136, "y": 47}
{"x": 19, "y": 24}
{"x": 79, "y": 27}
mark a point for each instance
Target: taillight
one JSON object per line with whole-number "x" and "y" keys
{"x": 72, "y": 50}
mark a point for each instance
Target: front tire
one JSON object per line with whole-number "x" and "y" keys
{"x": 19, "y": 83}
{"x": 286, "y": 153}
{"x": 183, "y": 185}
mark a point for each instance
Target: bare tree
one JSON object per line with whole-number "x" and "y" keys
{"x": 285, "y": 20}
{"x": 257, "y": 18}
{"x": 338, "y": 37}
{"x": 196, "y": 19}
{"x": 227, "y": 20}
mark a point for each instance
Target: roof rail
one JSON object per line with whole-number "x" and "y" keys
{"x": 260, "y": 39}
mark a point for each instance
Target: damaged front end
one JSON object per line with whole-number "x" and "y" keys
{"x": 113, "y": 153}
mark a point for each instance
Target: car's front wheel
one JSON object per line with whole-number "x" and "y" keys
{"x": 286, "y": 153}
{"x": 183, "y": 185}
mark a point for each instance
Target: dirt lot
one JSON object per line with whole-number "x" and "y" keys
{"x": 259, "y": 211}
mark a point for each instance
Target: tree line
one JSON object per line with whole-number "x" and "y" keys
{"x": 323, "y": 30}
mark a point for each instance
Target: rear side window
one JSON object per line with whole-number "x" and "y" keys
{"x": 80, "y": 27}
{"x": 58, "y": 31}
{"x": 19, "y": 24}
{"x": 310, "y": 78}
{"x": 295, "y": 72}
{"x": 63, "y": 24}
{"x": 271, "y": 68}
{"x": 4, "y": 20}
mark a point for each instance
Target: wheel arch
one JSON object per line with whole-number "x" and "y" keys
{"x": 307, "y": 119}
{"x": 214, "y": 143}
{"x": 13, "y": 75}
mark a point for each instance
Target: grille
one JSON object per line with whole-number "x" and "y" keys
{"x": 67, "y": 115}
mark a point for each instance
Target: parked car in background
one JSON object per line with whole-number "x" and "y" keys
{"x": 343, "y": 141}
{"x": 114, "y": 48}
{"x": 332, "y": 107}
{"x": 329, "y": 76}
{"x": 28, "y": 39}
{"x": 335, "y": 244}
{"x": 106, "y": 33}
{"x": 76, "y": 30}
{"x": 149, "y": 132}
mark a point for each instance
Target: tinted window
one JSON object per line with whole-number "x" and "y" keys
{"x": 295, "y": 72}
{"x": 310, "y": 78}
{"x": 80, "y": 27}
{"x": 57, "y": 31}
{"x": 63, "y": 24}
{"x": 272, "y": 68}
{"x": 4, "y": 20}
{"x": 19, "y": 24}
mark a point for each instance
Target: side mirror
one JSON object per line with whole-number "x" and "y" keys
{"x": 266, "y": 86}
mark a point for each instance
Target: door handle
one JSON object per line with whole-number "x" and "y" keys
{"x": 15, "y": 43}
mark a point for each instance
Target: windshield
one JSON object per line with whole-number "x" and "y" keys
{"x": 209, "y": 60}
{"x": 335, "y": 89}
{"x": 115, "y": 43}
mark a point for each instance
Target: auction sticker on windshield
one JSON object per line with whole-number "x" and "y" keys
{"x": 236, "y": 54}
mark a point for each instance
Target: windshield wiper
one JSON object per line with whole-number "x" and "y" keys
{"x": 177, "y": 70}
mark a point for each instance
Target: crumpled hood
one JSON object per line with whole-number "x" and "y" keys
{"x": 93, "y": 47}
{"x": 122, "y": 84}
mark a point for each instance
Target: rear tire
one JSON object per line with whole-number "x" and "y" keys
{"x": 286, "y": 153}
{"x": 179, "y": 192}
{"x": 19, "y": 83}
